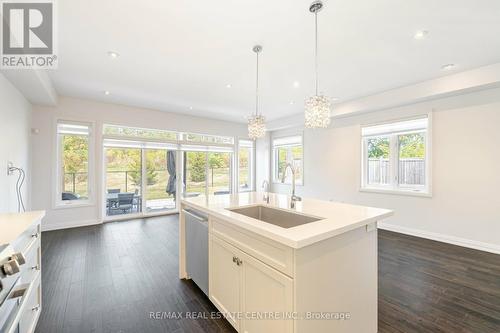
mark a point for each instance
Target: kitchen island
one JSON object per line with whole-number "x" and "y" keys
{"x": 272, "y": 268}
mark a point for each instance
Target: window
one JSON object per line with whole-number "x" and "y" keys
{"x": 396, "y": 156}
{"x": 206, "y": 171}
{"x": 140, "y": 133}
{"x": 202, "y": 138}
{"x": 245, "y": 165}
{"x": 139, "y": 178}
{"x": 73, "y": 160}
{"x": 288, "y": 150}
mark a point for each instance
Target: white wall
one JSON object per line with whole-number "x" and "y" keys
{"x": 44, "y": 155}
{"x": 465, "y": 205}
{"x": 14, "y": 144}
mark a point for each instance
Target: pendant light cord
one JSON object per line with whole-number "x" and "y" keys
{"x": 316, "y": 49}
{"x": 257, "y": 88}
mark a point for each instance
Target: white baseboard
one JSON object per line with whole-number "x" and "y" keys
{"x": 487, "y": 247}
{"x": 69, "y": 224}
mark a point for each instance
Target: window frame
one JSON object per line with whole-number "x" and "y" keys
{"x": 250, "y": 145}
{"x": 394, "y": 187}
{"x": 58, "y": 203}
{"x": 275, "y": 147}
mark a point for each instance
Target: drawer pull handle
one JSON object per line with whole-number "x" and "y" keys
{"x": 237, "y": 261}
{"x": 35, "y": 235}
{"x": 36, "y": 268}
{"x": 36, "y": 308}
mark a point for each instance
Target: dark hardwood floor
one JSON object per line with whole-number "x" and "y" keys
{"x": 428, "y": 286}
{"x": 109, "y": 278}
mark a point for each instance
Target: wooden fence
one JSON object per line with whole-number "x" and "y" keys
{"x": 411, "y": 171}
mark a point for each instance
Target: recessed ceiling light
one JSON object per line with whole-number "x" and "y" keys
{"x": 296, "y": 84}
{"x": 292, "y": 102}
{"x": 106, "y": 92}
{"x": 228, "y": 85}
{"x": 190, "y": 108}
{"x": 421, "y": 34}
{"x": 334, "y": 99}
{"x": 448, "y": 67}
{"x": 113, "y": 54}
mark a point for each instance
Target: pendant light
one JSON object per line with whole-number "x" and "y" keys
{"x": 256, "y": 122}
{"x": 317, "y": 107}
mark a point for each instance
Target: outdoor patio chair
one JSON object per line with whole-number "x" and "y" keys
{"x": 124, "y": 203}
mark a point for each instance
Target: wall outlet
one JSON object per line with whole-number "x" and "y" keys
{"x": 9, "y": 166}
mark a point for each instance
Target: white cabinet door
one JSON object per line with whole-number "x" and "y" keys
{"x": 224, "y": 279}
{"x": 265, "y": 291}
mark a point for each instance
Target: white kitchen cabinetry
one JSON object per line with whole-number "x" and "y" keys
{"x": 21, "y": 310}
{"x": 224, "y": 279}
{"x": 264, "y": 291}
{"x": 264, "y": 286}
{"x": 318, "y": 277}
{"x": 253, "y": 295}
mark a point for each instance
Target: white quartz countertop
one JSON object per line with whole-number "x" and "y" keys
{"x": 337, "y": 218}
{"x": 12, "y": 225}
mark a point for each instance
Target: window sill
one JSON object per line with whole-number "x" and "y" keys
{"x": 74, "y": 204}
{"x": 409, "y": 192}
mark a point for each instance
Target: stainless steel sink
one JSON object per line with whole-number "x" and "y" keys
{"x": 278, "y": 217}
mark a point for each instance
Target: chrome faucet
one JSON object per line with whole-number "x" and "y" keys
{"x": 294, "y": 197}
{"x": 265, "y": 186}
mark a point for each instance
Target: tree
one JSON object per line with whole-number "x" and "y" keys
{"x": 197, "y": 166}
{"x": 244, "y": 152}
{"x": 216, "y": 161}
{"x": 412, "y": 146}
{"x": 153, "y": 159}
{"x": 378, "y": 148}
{"x": 76, "y": 153}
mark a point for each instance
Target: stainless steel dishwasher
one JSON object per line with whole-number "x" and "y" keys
{"x": 197, "y": 247}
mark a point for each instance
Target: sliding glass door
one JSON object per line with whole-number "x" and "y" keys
{"x": 206, "y": 173}
{"x": 219, "y": 173}
{"x": 139, "y": 180}
{"x": 194, "y": 174}
{"x": 123, "y": 181}
{"x": 160, "y": 180}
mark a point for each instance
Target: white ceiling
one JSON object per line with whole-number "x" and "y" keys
{"x": 180, "y": 54}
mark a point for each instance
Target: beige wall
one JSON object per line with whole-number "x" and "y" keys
{"x": 15, "y": 143}
{"x": 44, "y": 156}
{"x": 465, "y": 205}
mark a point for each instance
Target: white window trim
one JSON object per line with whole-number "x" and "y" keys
{"x": 180, "y": 137}
{"x": 251, "y": 167}
{"x": 425, "y": 191}
{"x": 275, "y": 178}
{"x": 58, "y": 203}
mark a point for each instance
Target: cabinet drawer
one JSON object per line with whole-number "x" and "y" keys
{"x": 270, "y": 252}
{"x": 31, "y": 312}
{"x": 26, "y": 238}
{"x": 32, "y": 265}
